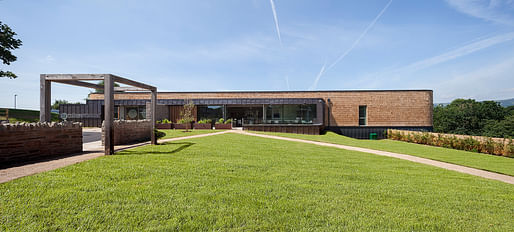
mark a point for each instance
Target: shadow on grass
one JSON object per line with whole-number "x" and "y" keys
{"x": 159, "y": 149}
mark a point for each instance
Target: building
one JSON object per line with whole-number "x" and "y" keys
{"x": 355, "y": 113}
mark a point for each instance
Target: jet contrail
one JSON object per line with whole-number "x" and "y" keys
{"x": 276, "y": 20}
{"x": 321, "y": 72}
{"x": 287, "y": 82}
{"x": 342, "y": 56}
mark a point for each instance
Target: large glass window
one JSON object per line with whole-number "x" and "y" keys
{"x": 362, "y": 115}
{"x": 209, "y": 112}
{"x": 291, "y": 114}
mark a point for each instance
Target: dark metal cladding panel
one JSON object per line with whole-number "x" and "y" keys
{"x": 365, "y": 131}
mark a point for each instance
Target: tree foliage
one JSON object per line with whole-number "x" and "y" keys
{"x": 7, "y": 43}
{"x": 467, "y": 116}
{"x": 187, "y": 113}
{"x": 102, "y": 83}
{"x": 58, "y": 102}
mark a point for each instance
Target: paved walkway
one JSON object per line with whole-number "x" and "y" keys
{"x": 453, "y": 167}
{"x": 91, "y": 150}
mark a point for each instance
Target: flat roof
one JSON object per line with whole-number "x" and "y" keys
{"x": 288, "y": 91}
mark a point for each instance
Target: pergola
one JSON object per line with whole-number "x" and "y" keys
{"x": 109, "y": 80}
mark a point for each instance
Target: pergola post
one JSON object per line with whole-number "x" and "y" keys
{"x": 153, "y": 104}
{"x": 109, "y": 114}
{"x": 45, "y": 115}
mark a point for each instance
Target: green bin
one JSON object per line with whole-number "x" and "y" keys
{"x": 373, "y": 136}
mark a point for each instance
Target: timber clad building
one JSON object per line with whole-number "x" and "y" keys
{"x": 352, "y": 113}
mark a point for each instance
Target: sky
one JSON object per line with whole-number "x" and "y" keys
{"x": 457, "y": 48}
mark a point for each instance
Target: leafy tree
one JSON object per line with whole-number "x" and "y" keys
{"x": 56, "y": 104}
{"x": 102, "y": 83}
{"x": 500, "y": 129}
{"x": 7, "y": 43}
{"x": 187, "y": 116}
{"x": 467, "y": 116}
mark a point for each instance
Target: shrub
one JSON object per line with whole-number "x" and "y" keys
{"x": 182, "y": 121}
{"x": 220, "y": 121}
{"x": 205, "y": 121}
{"x": 159, "y": 134}
{"x": 228, "y": 121}
{"x": 164, "y": 121}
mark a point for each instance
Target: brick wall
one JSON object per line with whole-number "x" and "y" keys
{"x": 129, "y": 131}
{"x": 22, "y": 142}
{"x": 384, "y": 108}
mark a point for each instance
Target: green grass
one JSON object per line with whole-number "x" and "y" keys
{"x": 487, "y": 162}
{"x": 237, "y": 182}
{"x": 19, "y": 115}
{"x": 182, "y": 133}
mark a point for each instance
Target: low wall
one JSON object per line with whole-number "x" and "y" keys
{"x": 24, "y": 142}
{"x": 494, "y": 146}
{"x": 129, "y": 131}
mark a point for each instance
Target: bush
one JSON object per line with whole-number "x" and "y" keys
{"x": 488, "y": 146}
{"x": 205, "y": 121}
{"x": 182, "y": 121}
{"x": 164, "y": 121}
{"x": 228, "y": 121}
{"x": 159, "y": 134}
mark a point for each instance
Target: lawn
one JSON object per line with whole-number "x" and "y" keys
{"x": 182, "y": 133}
{"x": 487, "y": 162}
{"x": 239, "y": 182}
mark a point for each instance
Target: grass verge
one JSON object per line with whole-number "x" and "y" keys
{"x": 238, "y": 182}
{"x": 498, "y": 164}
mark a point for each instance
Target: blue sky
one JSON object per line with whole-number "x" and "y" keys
{"x": 458, "y": 48}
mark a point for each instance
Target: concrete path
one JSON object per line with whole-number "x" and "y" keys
{"x": 91, "y": 135}
{"x": 91, "y": 150}
{"x": 453, "y": 167}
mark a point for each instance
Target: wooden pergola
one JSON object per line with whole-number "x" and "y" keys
{"x": 109, "y": 80}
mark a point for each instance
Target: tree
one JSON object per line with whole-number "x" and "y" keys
{"x": 102, "y": 84}
{"x": 57, "y": 102}
{"x": 7, "y": 43}
{"x": 467, "y": 116}
{"x": 187, "y": 116}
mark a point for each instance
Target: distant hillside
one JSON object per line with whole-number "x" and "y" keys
{"x": 20, "y": 115}
{"x": 504, "y": 103}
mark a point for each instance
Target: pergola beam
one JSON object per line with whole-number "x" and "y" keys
{"x": 133, "y": 83}
{"x": 80, "y": 83}
{"x": 69, "y": 77}
{"x": 122, "y": 89}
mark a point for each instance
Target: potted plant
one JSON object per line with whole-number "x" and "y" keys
{"x": 164, "y": 124}
{"x": 223, "y": 124}
{"x": 203, "y": 124}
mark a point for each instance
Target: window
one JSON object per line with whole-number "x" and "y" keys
{"x": 362, "y": 115}
{"x": 291, "y": 114}
{"x": 209, "y": 112}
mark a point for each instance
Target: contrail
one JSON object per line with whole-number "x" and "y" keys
{"x": 276, "y": 20}
{"x": 321, "y": 72}
{"x": 342, "y": 56}
{"x": 287, "y": 82}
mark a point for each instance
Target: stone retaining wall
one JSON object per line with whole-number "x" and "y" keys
{"x": 23, "y": 142}
{"x": 129, "y": 131}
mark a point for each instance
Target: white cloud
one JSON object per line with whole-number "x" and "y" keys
{"x": 499, "y": 11}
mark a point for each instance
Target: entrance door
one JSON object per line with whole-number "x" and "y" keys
{"x": 245, "y": 114}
